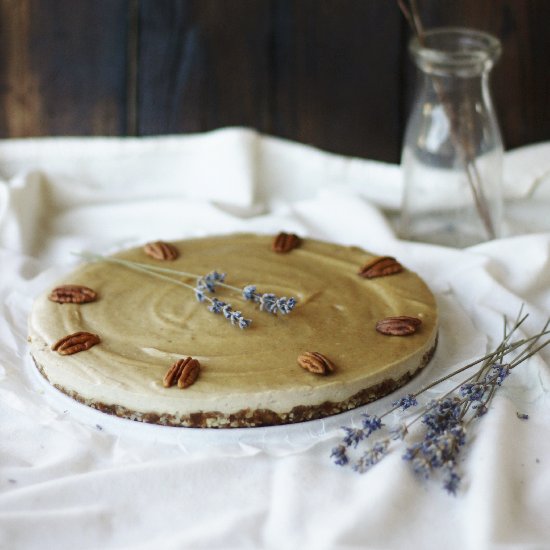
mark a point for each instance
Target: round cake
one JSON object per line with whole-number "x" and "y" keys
{"x": 233, "y": 331}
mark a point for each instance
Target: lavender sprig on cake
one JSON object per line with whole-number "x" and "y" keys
{"x": 444, "y": 422}
{"x": 269, "y": 302}
{"x": 208, "y": 283}
{"x": 234, "y": 317}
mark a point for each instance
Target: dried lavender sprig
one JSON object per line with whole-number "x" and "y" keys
{"x": 208, "y": 283}
{"x": 340, "y": 455}
{"x": 442, "y": 442}
{"x": 372, "y": 456}
{"x": 486, "y": 358}
{"x": 499, "y": 352}
{"x": 353, "y": 436}
{"x": 491, "y": 375}
{"x": 503, "y": 348}
{"x": 269, "y": 302}
{"x": 488, "y": 362}
{"x": 446, "y": 432}
{"x": 373, "y": 423}
{"x": 406, "y": 402}
{"x": 234, "y": 317}
{"x": 444, "y": 418}
{"x": 461, "y": 143}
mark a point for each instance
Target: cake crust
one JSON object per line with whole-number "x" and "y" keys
{"x": 246, "y": 418}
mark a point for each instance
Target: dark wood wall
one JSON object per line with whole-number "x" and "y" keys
{"x": 333, "y": 73}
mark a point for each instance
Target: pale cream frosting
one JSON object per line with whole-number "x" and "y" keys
{"x": 145, "y": 324}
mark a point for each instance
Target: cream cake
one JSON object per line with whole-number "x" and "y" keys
{"x": 326, "y": 328}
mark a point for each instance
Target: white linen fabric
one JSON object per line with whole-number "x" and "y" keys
{"x": 71, "y": 477}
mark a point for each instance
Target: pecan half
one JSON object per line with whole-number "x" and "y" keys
{"x": 73, "y": 343}
{"x": 74, "y": 294}
{"x": 315, "y": 362}
{"x": 398, "y": 326}
{"x": 380, "y": 267}
{"x": 184, "y": 372}
{"x": 159, "y": 250}
{"x": 285, "y": 242}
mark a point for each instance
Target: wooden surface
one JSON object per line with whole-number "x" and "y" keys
{"x": 333, "y": 73}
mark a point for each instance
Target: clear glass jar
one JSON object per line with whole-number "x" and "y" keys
{"x": 452, "y": 151}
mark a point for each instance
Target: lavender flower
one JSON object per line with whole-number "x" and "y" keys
{"x": 249, "y": 292}
{"x": 285, "y": 305}
{"x": 437, "y": 450}
{"x": 459, "y": 434}
{"x": 353, "y": 436}
{"x": 209, "y": 281}
{"x": 421, "y": 466}
{"x": 473, "y": 392}
{"x": 371, "y": 423}
{"x": 406, "y": 402}
{"x": 498, "y": 373}
{"x": 217, "y": 306}
{"x": 372, "y": 456}
{"x": 451, "y": 479}
{"x": 442, "y": 414}
{"x": 339, "y": 455}
{"x": 206, "y": 284}
{"x": 199, "y": 294}
{"x": 268, "y": 301}
{"x": 234, "y": 317}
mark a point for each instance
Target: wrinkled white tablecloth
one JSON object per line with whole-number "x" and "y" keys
{"x": 71, "y": 477}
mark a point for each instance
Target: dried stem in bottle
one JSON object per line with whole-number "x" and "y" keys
{"x": 460, "y": 139}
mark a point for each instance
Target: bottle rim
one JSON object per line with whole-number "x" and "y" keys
{"x": 455, "y": 47}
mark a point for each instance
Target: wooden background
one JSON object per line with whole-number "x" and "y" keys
{"x": 333, "y": 73}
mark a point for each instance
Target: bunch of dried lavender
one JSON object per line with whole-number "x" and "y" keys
{"x": 207, "y": 284}
{"x": 445, "y": 420}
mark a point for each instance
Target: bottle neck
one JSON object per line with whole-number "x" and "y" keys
{"x": 452, "y": 86}
{"x": 455, "y": 53}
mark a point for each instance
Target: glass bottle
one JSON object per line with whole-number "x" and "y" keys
{"x": 452, "y": 151}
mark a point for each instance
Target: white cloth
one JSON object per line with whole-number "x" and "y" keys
{"x": 71, "y": 477}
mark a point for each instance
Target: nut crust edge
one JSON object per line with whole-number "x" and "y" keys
{"x": 247, "y": 418}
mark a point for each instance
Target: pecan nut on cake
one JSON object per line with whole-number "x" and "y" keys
{"x": 227, "y": 331}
